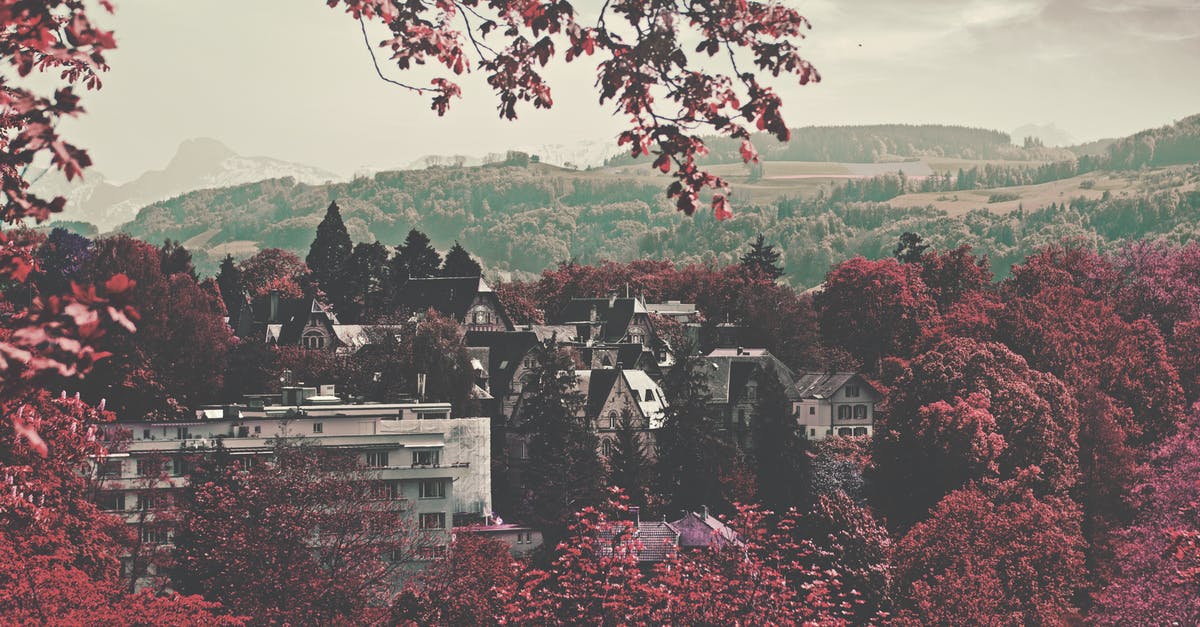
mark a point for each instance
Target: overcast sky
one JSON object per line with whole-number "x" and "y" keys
{"x": 291, "y": 79}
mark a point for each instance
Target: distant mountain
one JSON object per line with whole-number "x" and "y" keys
{"x": 200, "y": 163}
{"x": 1050, "y": 134}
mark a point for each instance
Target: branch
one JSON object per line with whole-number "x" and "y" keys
{"x": 375, "y": 62}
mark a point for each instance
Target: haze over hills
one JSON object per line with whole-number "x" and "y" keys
{"x": 199, "y": 163}
{"x": 520, "y": 218}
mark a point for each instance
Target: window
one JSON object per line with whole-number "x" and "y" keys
{"x": 257, "y": 429}
{"x": 845, "y": 431}
{"x": 860, "y": 430}
{"x": 649, "y": 395}
{"x": 111, "y": 501}
{"x": 751, "y": 392}
{"x": 180, "y": 467}
{"x": 433, "y": 489}
{"x": 152, "y": 535}
{"x": 607, "y": 446}
{"x": 433, "y": 552}
{"x": 181, "y": 433}
{"x": 812, "y": 432}
{"x": 843, "y": 412}
{"x": 612, "y": 421}
{"x": 481, "y": 315}
{"x": 812, "y": 410}
{"x": 149, "y": 467}
{"x": 377, "y": 459}
{"x": 146, "y": 434}
{"x": 860, "y": 412}
{"x": 637, "y": 398}
{"x": 852, "y": 391}
{"x": 318, "y": 427}
{"x": 313, "y": 339}
{"x": 112, "y": 468}
{"x": 524, "y": 537}
{"x": 386, "y": 491}
{"x": 146, "y": 501}
{"x": 426, "y": 458}
{"x": 433, "y": 520}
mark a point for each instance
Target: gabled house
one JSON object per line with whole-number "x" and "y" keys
{"x": 614, "y": 321}
{"x": 469, "y": 300}
{"x": 699, "y": 530}
{"x": 509, "y": 359}
{"x": 609, "y": 393}
{"x": 306, "y": 323}
{"x": 835, "y": 403}
{"x": 734, "y": 376}
{"x": 650, "y": 542}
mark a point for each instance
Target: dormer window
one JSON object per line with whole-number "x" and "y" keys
{"x": 852, "y": 391}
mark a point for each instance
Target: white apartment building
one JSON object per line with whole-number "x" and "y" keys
{"x": 433, "y": 465}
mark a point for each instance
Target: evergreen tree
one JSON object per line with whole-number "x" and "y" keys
{"x": 780, "y": 450}
{"x": 910, "y": 248}
{"x": 328, "y": 255}
{"x": 627, "y": 465}
{"x": 762, "y": 260}
{"x": 564, "y": 472}
{"x": 229, "y": 282}
{"x": 175, "y": 259}
{"x": 418, "y": 256}
{"x": 691, "y": 454}
{"x": 459, "y": 263}
{"x": 366, "y": 281}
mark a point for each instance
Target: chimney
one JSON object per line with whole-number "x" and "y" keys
{"x": 274, "y": 314}
{"x": 741, "y": 351}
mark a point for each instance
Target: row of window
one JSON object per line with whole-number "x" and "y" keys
{"x": 116, "y": 501}
{"x": 379, "y": 459}
{"x": 855, "y": 412}
{"x": 812, "y": 432}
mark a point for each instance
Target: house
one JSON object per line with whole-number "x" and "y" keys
{"x": 734, "y": 376}
{"x": 305, "y": 323}
{"x": 612, "y": 321}
{"x": 509, "y": 358}
{"x": 430, "y": 465}
{"x": 835, "y": 403}
{"x": 468, "y": 300}
{"x": 683, "y": 313}
{"x": 699, "y": 530}
{"x": 608, "y": 394}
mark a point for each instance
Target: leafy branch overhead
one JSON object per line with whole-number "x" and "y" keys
{"x": 644, "y": 71}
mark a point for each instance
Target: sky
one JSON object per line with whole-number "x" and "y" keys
{"x": 293, "y": 80}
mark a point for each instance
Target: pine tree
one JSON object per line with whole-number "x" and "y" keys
{"x": 366, "y": 278}
{"x": 229, "y": 282}
{"x": 459, "y": 263}
{"x": 691, "y": 454}
{"x": 564, "y": 472}
{"x": 628, "y": 464}
{"x": 780, "y": 450}
{"x": 762, "y": 260}
{"x": 418, "y": 256}
{"x": 328, "y": 255}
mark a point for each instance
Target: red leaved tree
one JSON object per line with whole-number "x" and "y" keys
{"x": 644, "y": 70}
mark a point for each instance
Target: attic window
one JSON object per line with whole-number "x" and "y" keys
{"x": 313, "y": 339}
{"x": 636, "y": 397}
{"x": 852, "y": 391}
{"x": 649, "y": 395}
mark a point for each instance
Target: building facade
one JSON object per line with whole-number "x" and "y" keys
{"x": 835, "y": 403}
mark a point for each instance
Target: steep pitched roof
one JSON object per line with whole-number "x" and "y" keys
{"x": 597, "y": 385}
{"x": 700, "y": 530}
{"x": 614, "y": 315}
{"x": 450, "y": 296}
{"x": 289, "y": 319}
{"x": 653, "y": 408}
{"x": 505, "y": 350}
{"x": 727, "y": 373}
{"x": 820, "y": 385}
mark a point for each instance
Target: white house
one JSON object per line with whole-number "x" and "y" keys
{"x": 835, "y": 403}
